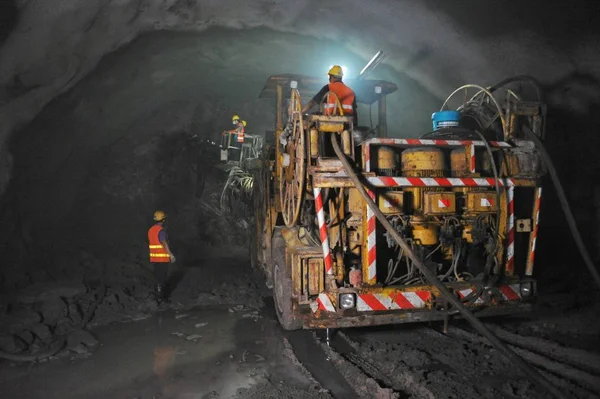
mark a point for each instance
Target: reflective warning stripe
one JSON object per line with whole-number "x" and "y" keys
{"x": 510, "y": 234}
{"x": 393, "y": 301}
{"x": 325, "y": 303}
{"x": 386, "y": 181}
{"x": 472, "y": 157}
{"x": 371, "y": 243}
{"x": 367, "y": 157}
{"x": 457, "y": 143}
{"x": 511, "y": 292}
{"x": 468, "y": 291}
{"x": 155, "y": 246}
{"x": 323, "y": 231}
{"x": 534, "y": 232}
{"x": 159, "y": 255}
{"x": 407, "y": 300}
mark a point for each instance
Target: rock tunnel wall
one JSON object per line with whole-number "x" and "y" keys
{"x": 97, "y": 100}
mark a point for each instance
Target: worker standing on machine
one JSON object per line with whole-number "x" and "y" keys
{"x": 160, "y": 254}
{"x": 346, "y": 96}
{"x": 239, "y": 130}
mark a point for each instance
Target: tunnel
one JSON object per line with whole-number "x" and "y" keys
{"x": 112, "y": 110}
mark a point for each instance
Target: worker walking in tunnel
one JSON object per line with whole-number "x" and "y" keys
{"x": 160, "y": 253}
{"x": 345, "y": 95}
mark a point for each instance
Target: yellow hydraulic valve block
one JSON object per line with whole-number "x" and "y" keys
{"x": 386, "y": 161}
{"x": 421, "y": 162}
{"x": 424, "y": 232}
{"x": 459, "y": 164}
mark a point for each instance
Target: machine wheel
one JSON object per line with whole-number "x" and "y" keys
{"x": 293, "y": 166}
{"x": 282, "y": 286}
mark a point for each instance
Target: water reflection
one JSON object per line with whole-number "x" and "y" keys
{"x": 164, "y": 357}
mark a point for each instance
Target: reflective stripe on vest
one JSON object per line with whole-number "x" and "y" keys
{"x": 344, "y": 107}
{"x": 240, "y": 132}
{"x": 346, "y": 99}
{"x": 158, "y": 253}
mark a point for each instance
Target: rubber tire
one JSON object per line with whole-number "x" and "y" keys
{"x": 282, "y": 286}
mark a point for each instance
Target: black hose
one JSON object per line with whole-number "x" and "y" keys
{"x": 521, "y": 78}
{"x": 497, "y": 179}
{"x": 433, "y": 280}
{"x": 565, "y": 205}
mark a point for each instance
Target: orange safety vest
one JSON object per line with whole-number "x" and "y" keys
{"x": 240, "y": 132}
{"x": 344, "y": 94}
{"x": 158, "y": 253}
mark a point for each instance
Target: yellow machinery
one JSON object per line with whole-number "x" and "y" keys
{"x": 235, "y": 153}
{"x": 450, "y": 194}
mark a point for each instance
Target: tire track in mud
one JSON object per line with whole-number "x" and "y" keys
{"x": 309, "y": 352}
{"x": 579, "y": 358}
{"x": 429, "y": 364}
{"x": 400, "y": 384}
{"x": 566, "y": 371}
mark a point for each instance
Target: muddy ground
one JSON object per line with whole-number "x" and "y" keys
{"x": 214, "y": 339}
{"x": 219, "y": 338}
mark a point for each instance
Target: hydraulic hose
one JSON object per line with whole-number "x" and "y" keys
{"x": 433, "y": 280}
{"x": 564, "y": 204}
{"x": 553, "y": 174}
{"x": 538, "y": 90}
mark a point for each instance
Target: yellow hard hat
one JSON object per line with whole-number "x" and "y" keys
{"x": 159, "y": 216}
{"x": 336, "y": 71}
{"x": 244, "y": 122}
{"x": 235, "y": 117}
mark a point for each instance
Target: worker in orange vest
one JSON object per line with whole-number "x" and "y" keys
{"x": 345, "y": 95}
{"x": 160, "y": 253}
{"x": 239, "y": 130}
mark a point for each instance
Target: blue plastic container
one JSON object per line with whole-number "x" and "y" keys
{"x": 442, "y": 119}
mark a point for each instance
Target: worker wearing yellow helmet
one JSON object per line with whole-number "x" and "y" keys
{"x": 160, "y": 253}
{"x": 345, "y": 95}
{"x": 239, "y": 130}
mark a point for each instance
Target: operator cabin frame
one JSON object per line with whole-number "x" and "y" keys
{"x": 317, "y": 302}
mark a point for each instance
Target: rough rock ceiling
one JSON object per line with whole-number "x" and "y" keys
{"x": 438, "y": 43}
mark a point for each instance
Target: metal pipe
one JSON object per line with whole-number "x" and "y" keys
{"x": 444, "y": 291}
{"x": 279, "y": 108}
{"x": 381, "y": 116}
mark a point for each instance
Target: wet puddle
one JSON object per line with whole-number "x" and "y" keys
{"x": 192, "y": 354}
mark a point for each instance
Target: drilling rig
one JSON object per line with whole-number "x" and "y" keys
{"x": 464, "y": 198}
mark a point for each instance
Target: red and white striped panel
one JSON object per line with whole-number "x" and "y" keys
{"x": 393, "y": 301}
{"x": 324, "y": 303}
{"x": 510, "y": 232}
{"x": 534, "y": 233}
{"x": 449, "y": 143}
{"x": 468, "y": 291}
{"x": 371, "y": 243}
{"x": 407, "y": 300}
{"x": 367, "y": 156}
{"x": 386, "y": 181}
{"x": 510, "y": 292}
{"x": 472, "y": 158}
{"x": 323, "y": 231}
